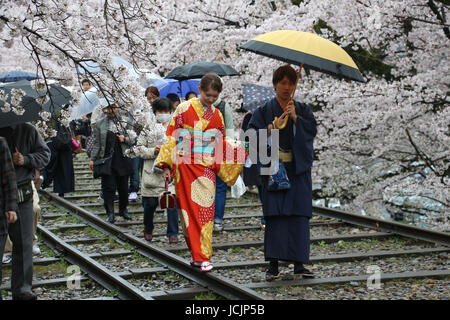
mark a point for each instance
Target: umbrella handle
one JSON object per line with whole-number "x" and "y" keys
{"x": 296, "y": 82}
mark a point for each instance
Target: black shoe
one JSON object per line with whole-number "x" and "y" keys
{"x": 125, "y": 215}
{"x": 110, "y": 218}
{"x": 24, "y": 296}
{"x": 270, "y": 276}
{"x": 272, "y": 273}
{"x": 300, "y": 270}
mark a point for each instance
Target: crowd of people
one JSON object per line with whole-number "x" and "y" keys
{"x": 187, "y": 166}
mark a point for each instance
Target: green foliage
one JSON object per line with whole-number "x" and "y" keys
{"x": 366, "y": 60}
{"x": 206, "y": 296}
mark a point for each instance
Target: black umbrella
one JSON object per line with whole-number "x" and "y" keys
{"x": 60, "y": 97}
{"x": 13, "y": 76}
{"x": 199, "y": 69}
{"x": 10, "y": 118}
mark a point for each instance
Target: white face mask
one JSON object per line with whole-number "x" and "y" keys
{"x": 163, "y": 117}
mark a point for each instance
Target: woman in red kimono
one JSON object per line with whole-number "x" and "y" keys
{"x": 196, "y": 150}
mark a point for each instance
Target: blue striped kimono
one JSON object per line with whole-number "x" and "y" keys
{"x": 287, "y": 212}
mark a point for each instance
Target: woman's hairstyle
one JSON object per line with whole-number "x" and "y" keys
{"x": 173, "y": 97}
{"x": 162, "y": 104}
{"x": 211, "y": 81}
{"x": 284, "y": 71}
{"x": 153, "y": 90}
{"x": 188, "y": 94}
{"x": 86, "y": 80}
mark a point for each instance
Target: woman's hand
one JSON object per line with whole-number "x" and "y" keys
{"x": 120, "y": 137}
{"x": 157, "y": 149}
{"x": 91, "y": 165}
{"x": 166, "y": 174}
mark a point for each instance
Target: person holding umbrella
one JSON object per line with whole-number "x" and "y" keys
{"x": 192, "y": 155}
{"x": 287, "y": 212}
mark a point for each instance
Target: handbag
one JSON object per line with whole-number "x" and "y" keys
{"x": 24, "y": 191}
{"x": 102, "y": 167}
{"x": 75, "y": 146}
{"x": 166, "y": 199}
{"x": 63, "y": 139}
{"x": 279, "y": 180}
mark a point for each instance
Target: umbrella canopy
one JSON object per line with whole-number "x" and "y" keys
{"x": 148, "y": 78}
{"x": 199, "y": 69}
{"x": 94, "y": 67}
{"x": 14, "y": 76}
{"x": 30, "y": 106}
{"x": 305, "y": 49}
{"x": 89, "y": 101}
{"x": 90, "y": 66}
{"x": 60, "y": 97}
{"x": 255, "y": 95}
{"x": 180, "y": 88}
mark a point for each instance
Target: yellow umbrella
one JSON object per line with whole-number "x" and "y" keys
{"x": 305, "y": 49}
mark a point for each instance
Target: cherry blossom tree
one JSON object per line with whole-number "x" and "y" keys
{"x": 377, "y": 142}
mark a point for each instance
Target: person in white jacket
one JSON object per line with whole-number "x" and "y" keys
{"x": 152, "y": 183}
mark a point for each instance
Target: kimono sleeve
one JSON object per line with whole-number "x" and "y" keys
{"x": 306, "y": 130}
{"x": 167, "y": 154}
{"x": 233, "y": 161}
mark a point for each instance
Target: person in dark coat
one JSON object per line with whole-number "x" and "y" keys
{"x": 8, "y": 196}
{"x": 111, "y": 138}
{"x": 287, "y": 212}
{"x": 29, "y": 152}
{"x": 60, "y": 168}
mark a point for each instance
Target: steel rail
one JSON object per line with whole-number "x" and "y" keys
{"x": 437, "y": 237}
{"x": 337, "y": 280}
{"x": 95, "y": 270}
{"x": 325, "y": 239}
{"x": 214, "y": 282}
{"x": 339, "y": 257}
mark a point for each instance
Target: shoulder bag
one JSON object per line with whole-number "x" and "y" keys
{"x": 102, "y": 167}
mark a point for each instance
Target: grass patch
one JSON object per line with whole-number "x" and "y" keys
{"x": 113, "y": 293}
{"x": 206, "y": 296}
{"x": 236, "y": 249}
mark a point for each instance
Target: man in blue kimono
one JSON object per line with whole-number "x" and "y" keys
{"x": 287, "y": 212}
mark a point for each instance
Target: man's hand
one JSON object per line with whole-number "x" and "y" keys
{"x": 18, "y": 158}
{"x": 91, "y": 165}
{"x": 157, "y": 149}
{"x": 38, "y": 177}
{"x": 120, "y": 137}
{"x": 290, "y": 110}
{"x": 11, "y": 216}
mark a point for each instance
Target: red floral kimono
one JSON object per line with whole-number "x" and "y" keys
{"x": 196, "y": 151}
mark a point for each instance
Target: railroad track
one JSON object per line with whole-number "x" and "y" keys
{"x": 352, "y": 256}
